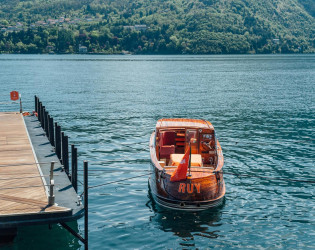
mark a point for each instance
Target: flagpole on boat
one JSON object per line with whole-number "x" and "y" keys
{"x": 189, "y": 165}
{"x": 189, "y": 158}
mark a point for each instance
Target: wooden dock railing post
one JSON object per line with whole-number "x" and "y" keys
{"x": 86, "y": 205}
{"x": 51, "y": 197}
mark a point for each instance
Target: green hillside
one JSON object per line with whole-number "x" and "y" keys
{"x": 157, "y": 26}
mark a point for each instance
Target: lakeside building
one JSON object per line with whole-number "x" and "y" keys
{"x": 138, "y": 27}
{"x": 82, "y": 49}
{"x": 276, "y": 41}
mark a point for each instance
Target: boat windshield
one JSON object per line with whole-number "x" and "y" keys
{"x": 192, "y": 134}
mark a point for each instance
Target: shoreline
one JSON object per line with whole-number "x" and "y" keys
{"x": 158, "y": 54}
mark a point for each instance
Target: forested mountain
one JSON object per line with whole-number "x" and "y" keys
{"x": 157, "y": 26}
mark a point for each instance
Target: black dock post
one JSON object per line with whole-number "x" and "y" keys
{"x": 58, "y": 140}
{"x": 39, "y": 111}
{"x": 42, "y": 117}
{"x": 86, "y": 204}
{"x": 65, "y": 152}
{"x": 74, "y": 167}
{"x": 51, "y": 130}
{"x": 46, "y": 123}
{"x": 37, "y": 106}
{"x": 35, "y": 98}
{"x": 21, "y": 109}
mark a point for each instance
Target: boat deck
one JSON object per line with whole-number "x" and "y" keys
{"x": 23, "y": 186}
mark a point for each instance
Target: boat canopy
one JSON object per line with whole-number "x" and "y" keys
{"x": 183, "y": 123}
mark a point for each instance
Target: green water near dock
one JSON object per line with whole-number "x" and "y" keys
{"x": 262, "y": 107}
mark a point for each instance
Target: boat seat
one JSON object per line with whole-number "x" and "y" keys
{"x": 196, "y": 160}
{"x": 167, "y": 144}
{"x": 167, "y": 138}
{"x": 166, "y": 151}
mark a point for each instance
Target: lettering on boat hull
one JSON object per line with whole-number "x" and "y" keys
{"x": 189, "y": 187}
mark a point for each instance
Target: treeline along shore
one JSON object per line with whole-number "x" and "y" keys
{"x": 157, "y": 26}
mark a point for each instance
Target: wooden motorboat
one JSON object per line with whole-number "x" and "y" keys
{"x": 186, "y": 161}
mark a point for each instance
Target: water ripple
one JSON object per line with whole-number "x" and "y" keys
{"x": 261, "y": 106}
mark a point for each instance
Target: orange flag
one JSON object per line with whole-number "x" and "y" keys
{"x": 180, "y": 172}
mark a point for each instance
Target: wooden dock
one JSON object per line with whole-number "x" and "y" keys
{"x": 23, "y": 189}
{"x": 37, "y": 184}
{"x": 25, "y": 167}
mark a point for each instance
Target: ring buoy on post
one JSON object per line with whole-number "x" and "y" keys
{"x": 14, "y": 95}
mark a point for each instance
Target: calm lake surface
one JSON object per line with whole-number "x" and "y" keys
{"x": 263, "y": 110}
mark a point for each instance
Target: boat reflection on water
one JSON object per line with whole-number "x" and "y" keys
{"x": 187, "y": 224}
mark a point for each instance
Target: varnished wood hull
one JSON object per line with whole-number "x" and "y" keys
{"x": 205, "y": 187}
{"x": 166, "y": 193}
{"x": 183, "y": 205}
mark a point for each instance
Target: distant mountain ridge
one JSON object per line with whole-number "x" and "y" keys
{"x": 171, "y": 26}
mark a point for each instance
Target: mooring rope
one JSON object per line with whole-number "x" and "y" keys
{"x": 138, "y": 170}
{"x": 112, "y": 182}
{"x": 229, "y": 173}
{"x": 115, "y": 170}
{"x": 267, "y": 177}
{"x": 308, "y": 141}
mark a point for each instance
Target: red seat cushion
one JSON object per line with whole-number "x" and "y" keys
{"x": 167, "y": 138}
{"x": 165, "y": 151}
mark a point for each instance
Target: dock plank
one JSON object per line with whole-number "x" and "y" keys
{"x": 18, "y": 195}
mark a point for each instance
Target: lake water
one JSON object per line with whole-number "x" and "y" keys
{"x": 263, "y": 110}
